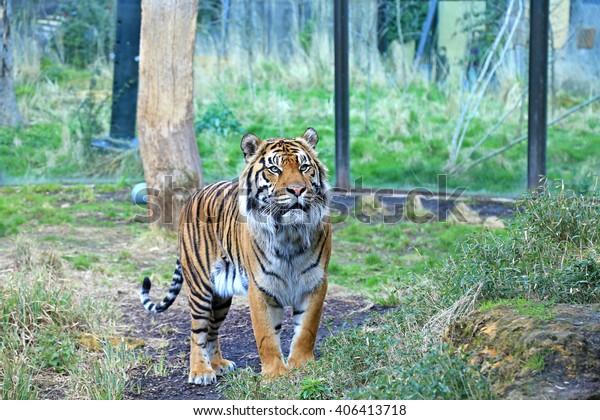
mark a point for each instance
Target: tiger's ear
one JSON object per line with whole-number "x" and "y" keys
{"x": 311, "y": 136}
{"x": 249, "y": 145}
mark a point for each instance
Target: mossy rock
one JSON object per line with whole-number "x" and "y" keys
{"x": 534, "y": 351}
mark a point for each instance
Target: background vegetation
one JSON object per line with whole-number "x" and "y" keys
{"x": 402, "y": 125}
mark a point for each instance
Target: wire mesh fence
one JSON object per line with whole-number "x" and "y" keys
{"x": 436, "y": 88}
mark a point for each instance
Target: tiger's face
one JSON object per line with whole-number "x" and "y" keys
{"x": 283, "y": 183}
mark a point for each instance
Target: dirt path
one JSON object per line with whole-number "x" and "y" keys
{"x": 167, "y": 338}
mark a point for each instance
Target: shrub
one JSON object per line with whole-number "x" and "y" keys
{"x": 549, "y": 252}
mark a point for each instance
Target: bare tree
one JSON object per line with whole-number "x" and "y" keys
{"x": 9, "y": 111}
{"x": 165, "y": 107}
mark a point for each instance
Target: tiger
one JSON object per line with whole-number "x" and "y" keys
{"x": 266, "y": 235}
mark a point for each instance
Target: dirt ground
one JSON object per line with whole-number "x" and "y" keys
{"x": 167, "y": 336}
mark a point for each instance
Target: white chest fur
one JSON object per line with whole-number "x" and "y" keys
{"x": 288, "y": 268}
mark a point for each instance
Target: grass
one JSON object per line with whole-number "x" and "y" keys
{"x": 41, "y": 320}
{"x": 431, "y": 272}
{"x": 535, "y": 363}
{"x": 376, "y": 257}
{"x": 550, "y": 254}
{"x": 400, "y": 355}
{"x": 53, "y": 204}
{"x": 382, "y": 360}
{"x": 532, "y": 309}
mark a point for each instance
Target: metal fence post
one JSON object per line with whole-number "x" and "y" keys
{"x": 125, "y": 79}
{"x": 342, "y": 119}
{"x": 538, "y": 93}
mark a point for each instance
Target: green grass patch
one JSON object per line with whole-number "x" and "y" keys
{"x": 53, "y": 204}
{"x": 375, "y": 257}
{"x": 82, "y": 261}
{"x": 529, "y": 308}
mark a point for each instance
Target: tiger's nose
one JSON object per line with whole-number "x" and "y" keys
{"x": 296, "y": 189}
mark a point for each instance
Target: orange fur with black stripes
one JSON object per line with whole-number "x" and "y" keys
{"x": 266, "y": 235}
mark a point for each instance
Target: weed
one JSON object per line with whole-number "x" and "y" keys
{"x": 82, "y": 261}
{"x": 160, "y": 367}
{"x": 313, "y": 389}
{"x": 535, "y": 363}
{"x": 109, "y": 374}
{"x": 55, "y": 349}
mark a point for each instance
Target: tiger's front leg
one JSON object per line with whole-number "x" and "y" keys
{"x": 306, "y": 323}
{"x": 265, "y": 318}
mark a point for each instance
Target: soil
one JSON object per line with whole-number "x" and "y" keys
{"x": 167, "y": 340}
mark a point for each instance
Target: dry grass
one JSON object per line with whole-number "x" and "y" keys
{"x": 47, "y": 305}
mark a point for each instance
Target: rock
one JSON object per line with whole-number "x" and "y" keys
{"x": 461, "y": 213}
{"x": 93, "y": 343}
{"x": 368, "y": 205}
{"x": 493, "y": 223}
{"x": 532, "y": 350}
{"x": 415, "y": 211}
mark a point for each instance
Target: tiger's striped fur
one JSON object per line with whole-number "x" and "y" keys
{"x": 266, "y": 235}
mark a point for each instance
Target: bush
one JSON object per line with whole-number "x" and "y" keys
{"x": 218, "y": 119}
{"x": 87, "y": 32}
{"x": 550, "y": 253}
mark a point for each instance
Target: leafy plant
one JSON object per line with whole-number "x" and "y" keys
{"x": 91, "y": 115}
{"x": 87, "y": 30}
{"x": 313, "y": 389}
{"x": 55, "y": 349}
{"x": 219, "y": 119}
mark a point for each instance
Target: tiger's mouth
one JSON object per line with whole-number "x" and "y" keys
{"x": 295, "y": 206}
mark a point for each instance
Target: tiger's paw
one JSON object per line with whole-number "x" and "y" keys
{"x": 223, "y": 366}
{"x": 273, "y": 371}
{"x": 300, "y": 361}
{"x": 202, "y": 378}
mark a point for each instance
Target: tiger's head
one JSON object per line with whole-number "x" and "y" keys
{"x": 283, "y": 183}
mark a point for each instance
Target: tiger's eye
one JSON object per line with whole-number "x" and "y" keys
{"x": 274, "y": 169}
{"x": 305, "y": 167}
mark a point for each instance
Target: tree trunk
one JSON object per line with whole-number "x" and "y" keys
{"x": 165, "y": 108}
{"x": 9, "y": 112}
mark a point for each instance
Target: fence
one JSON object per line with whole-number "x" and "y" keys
{"x": 436, "y": 87}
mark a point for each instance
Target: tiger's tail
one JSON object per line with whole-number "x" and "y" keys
{"x": 174, "y": 290}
